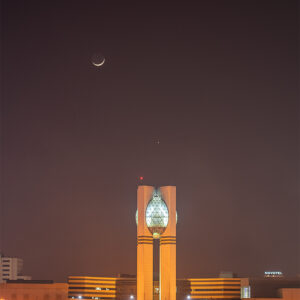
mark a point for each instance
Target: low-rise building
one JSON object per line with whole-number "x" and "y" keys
{"x": 209, "y": 288}
{"x": 124, "y": 288}
{"x": 11, "y": 269}
{"x": 33, "y": 290}
{"x": 95, "y": 288}
{"x": 270, "y": 288}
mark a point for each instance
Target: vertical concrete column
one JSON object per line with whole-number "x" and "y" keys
{"x": 168, "y": 248}
{"x": 144, "y": 246}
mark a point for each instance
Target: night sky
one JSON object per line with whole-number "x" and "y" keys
{"x": 217, "y": 82}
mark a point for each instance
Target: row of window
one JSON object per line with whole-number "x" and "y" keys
{"x": 26, "y": 297}
{"x": 96, "y": 298}
{"x": 110, "y": 282}
{"x": 209, "y": 296}
{"x": 217, "y": 290}
{"x": 91, "y": 292}
{"x": 90, "y": 288}
{"x": 77, "y": 296}
{"x": 216, "y": 284}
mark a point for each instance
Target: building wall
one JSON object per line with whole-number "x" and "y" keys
{"x": 28, "y": 291}
{"x": 209, "y": 288}
{"x": 285, "y": 294}
{"x": 85, "y": 287}
{"x": 264, "y": 299}
{"x": 144, "y": 246}
{"x": 269, "y": 287}
{"x": 11, "y": 269}
{"x": 167, "y": 247}
{"x": 125, "y": 288}
{"x": 80, "y": 287}
{"x": 290, "y": 294}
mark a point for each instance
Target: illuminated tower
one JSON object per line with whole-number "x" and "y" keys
{"x": 168, "y": 247}
{"x": 156, "y": 219}
{"x": 144, "y": 246}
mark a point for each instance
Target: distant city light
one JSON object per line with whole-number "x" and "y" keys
{"x": 131, "y": 297}
{"x": 80, "y": 297}
{"x": 189, "y": 296}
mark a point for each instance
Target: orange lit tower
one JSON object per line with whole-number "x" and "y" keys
{"x": 156, "y": 219}
{"x": 168, "y": 247}
{"x": 144, "y": 246}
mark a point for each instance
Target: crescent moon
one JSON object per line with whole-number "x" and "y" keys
{"x": 98, "y": 65}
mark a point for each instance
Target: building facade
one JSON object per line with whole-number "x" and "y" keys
{"x": 156, "y": 219}
{"x": 33, "y": 290}
{"x": 209, "y": 288}
{"x": 259, "y": 287}
{"x": 85, "y": 287}
{"x": 82, "y": 287}
{"x": 11, "y": 269}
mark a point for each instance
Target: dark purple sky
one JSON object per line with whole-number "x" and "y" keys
{"x": 216, "y": 81}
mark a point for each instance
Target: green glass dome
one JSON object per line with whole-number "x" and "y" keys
{"x": 137, "y": 217}
{"x": 157, "y": 215}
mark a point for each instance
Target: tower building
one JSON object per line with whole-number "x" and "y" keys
{"x": 156, "y": 219}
